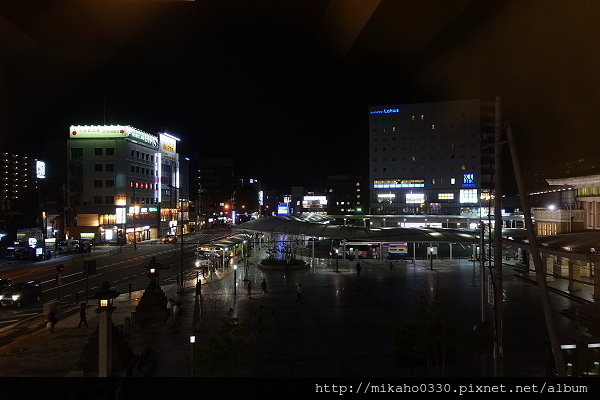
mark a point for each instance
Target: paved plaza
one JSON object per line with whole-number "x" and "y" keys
{"x": 344, "y": 326}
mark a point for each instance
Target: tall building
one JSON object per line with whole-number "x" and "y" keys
{"x": 346, "y": 194}
{"x": 20, "y": 198}
{"x": 296, "y": 199}
{"x": 215, "y": 189}
{"x": 113, "y": 183}
{"x": 174, "y": 188}
{"x": 427, "y": 158}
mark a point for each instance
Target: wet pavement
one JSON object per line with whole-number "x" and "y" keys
{"x": 344, "y": 326}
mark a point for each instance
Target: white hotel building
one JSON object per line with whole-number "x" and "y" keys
{"x": 426, "y": 158}
{"x": 115, "y": 183}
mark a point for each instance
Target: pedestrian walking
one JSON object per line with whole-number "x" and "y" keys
{"x": 52, "y": 320}
{"x": 263, "y": 286}
{"x": 82, "y": 316}
{"x": 299, "y": 293}
{"x": 176, "y": 311}
{"x": 249, "y": 286}
{"x": 358, "y": 268}
{"x": 199, "y": 288}
{"x": 170, "y": 304}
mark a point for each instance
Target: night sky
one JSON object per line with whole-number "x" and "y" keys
{"x": 284, "y": 87}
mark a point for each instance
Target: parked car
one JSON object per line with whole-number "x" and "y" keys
{"x": 21, "y": 293}
{"x": 67, "y": 246}
{"x": 16, "y": 253}
{"x": 169, "y": 239}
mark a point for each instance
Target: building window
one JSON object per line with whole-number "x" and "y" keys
{"x": 137, "y": 170}
{"x": 98, "y": 167}
{"x": 452, "y": 181}
{"x": 445, "y": 196}
{"x": 110, "y": 183}
{"x": 132, "y": 153}
{"x": 97, "y": 199}
{"x": 132, "y": 168}
{"x": 110, "y": 200}
{"x": 110, "y": 167}
{"x": 98, "y": 184}
{"x": 98, "y": 151}
{"x": 110, "y": 151}
{"x": 433, "y": 127}
{"x": 137, "y": 154}
{"x": 76, "y": 153}
{"x": 468, "y": 196}
{"x": 463, "y": 167}
{"x": 152, "y": 158}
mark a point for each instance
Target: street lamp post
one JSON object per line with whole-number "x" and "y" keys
{"x": 235, "y": 280}
{"x": 105, "y": 308}
{"x": 192, "y": 343}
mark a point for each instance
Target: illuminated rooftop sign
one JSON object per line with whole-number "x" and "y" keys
{"x": 385, "y": 111}
{"x": 399, "y": 184}
{"x": 168, "y": 143}
{"x": 40, "y": 169}
{"x": 468, "y": 180}
{"x": 112, "y": 131}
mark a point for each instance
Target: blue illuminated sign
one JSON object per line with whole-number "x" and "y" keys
{"x": 468, "y": 180}
{"x": 386, "y": 111}
{"x": 283, "y": 209}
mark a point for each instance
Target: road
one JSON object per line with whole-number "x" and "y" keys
{"x": 120, "y": 269}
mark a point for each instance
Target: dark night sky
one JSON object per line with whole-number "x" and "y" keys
{"x": 272, "y": 84}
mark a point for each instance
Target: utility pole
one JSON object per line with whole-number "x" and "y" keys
{"x": 498, "y": 291}
{"x": 181, "y": 259}
{"x": 540, "y": 272}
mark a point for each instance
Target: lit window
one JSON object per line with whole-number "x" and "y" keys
{"x": 463, "y": 167}
{"x": 445, "y": 196}
{"x": 433, "y": 126}
{"x": 393, "y": 129}
{"x": 357, "y": 183}
{"x": 422, "y": 117}
{"x": 468, "y": 196}
{"x": 452, "y": 181}
{"x": 433, "y": 181}
{"x": 413, "y": 158}
{"x": 358, "y": 196}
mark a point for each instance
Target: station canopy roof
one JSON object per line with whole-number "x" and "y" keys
{"x": 321, "y": 226}
{"x": 230, "y": 241}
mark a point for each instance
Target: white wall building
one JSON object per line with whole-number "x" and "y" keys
{"x": 113, "y": 183}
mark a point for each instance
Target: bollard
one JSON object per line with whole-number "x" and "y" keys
{"x": 132, "y": 322}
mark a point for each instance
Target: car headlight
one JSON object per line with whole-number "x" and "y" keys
{"x": 1, "y": 297}
{"x": 15, "y": 297}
